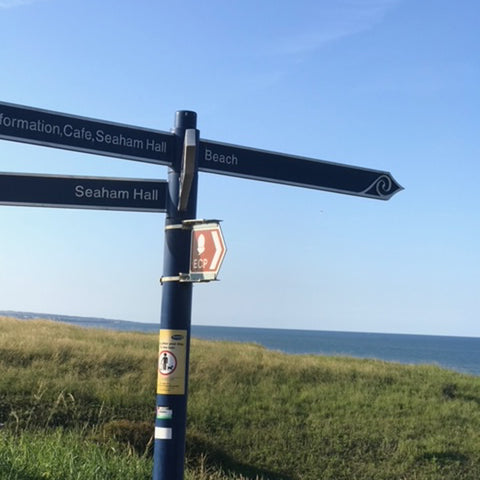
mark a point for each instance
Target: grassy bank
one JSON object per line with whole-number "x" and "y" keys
{"x": 79, "y": 403}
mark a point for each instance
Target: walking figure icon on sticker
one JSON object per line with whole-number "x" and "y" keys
{"x": 167, "y": 363}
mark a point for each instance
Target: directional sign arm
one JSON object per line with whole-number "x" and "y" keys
{"x": 28, "y": 190}
{"x": 234, "y": 160}
{"x": 60, "y": 130}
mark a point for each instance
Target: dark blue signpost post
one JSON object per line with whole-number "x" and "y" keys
{"x": 174, "y": 343}
{"x": 185, "y": 154}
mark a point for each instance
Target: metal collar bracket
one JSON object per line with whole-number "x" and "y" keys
{"x": 181, "y": 277}
{"x": 190, "y": 224}
{"x": 186, "y": 278}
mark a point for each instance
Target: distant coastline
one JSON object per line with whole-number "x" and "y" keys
{"x": 90, "y": 322}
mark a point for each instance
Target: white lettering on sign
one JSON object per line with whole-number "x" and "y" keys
{"x": 102, "y": 137}
{"x": 228, "y": 159}
{"x": 29, "y": 125}
{"x": 141, "y": 194}
{"x": 78, "y": 133}
{"x": 199, "y": 264}
{"x": 138, "y": 193}
{"x": 82, "y": 192}
{"x": 69, "y": 131}
{"x": 154, "y": 146}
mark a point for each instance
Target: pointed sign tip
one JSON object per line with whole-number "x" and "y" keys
{"x": 382, "y": 188}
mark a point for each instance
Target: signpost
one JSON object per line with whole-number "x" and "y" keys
{"x": 193, "y": 249}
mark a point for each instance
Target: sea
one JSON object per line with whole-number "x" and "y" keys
{"x": 460, "y": 354}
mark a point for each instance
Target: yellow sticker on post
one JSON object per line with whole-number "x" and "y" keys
{"x": 172, "y": 362}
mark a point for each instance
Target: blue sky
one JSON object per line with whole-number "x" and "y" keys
{"x": 383, "y": 84}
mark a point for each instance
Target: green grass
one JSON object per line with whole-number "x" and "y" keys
{"x": 66, "y": 455}
{"x": 78, "y": 404}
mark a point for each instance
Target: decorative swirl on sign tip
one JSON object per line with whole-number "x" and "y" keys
{"x": 381, "y": 187}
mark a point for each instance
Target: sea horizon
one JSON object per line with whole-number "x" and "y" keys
{"x": 147, "y": 325}
{"x": 458, "y": 353}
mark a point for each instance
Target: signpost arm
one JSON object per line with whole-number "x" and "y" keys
{"x": 174, "y": 344}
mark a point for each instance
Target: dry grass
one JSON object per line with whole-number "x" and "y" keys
{"x": 253, "y": 413}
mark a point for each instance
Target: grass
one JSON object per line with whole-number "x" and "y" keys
{"x": 66, "y": 455}
{"x": 78, "y": 404}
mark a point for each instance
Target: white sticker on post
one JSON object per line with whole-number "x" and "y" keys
{"x": 162, "y": 433}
